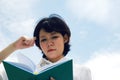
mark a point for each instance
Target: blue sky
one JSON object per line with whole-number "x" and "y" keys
{"x": 95, "y": 27}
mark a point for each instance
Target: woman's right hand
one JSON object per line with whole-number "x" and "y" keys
{"x": 21, "y": 43}
{"x": 24, "y": 42}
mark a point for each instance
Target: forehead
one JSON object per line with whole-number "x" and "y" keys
{"x": 43, "y": 33}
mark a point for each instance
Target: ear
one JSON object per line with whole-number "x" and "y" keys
{"x": 65, "y": 38}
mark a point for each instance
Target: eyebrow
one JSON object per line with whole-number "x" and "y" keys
{"x": 51, "y": 33}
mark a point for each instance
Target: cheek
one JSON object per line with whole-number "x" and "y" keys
{"x": 60, "y": 46}
{"x": 43, "y": 47}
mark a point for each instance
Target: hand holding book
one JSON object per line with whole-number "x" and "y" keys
{"x": 51, "y": 78}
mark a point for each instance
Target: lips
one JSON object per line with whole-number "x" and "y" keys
{"x": 50, "y": 50}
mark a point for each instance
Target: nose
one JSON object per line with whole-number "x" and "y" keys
{"x": 50, "y": 43}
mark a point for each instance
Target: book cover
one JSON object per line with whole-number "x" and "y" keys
{"x": 60, "y": 71}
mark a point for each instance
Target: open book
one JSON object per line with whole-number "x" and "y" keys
{"x": 19, "y": 71}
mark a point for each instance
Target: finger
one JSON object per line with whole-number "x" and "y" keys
{"x": 32, "y": 42}
{"x": 34, "y": 38}
{"x": 51, "y": 78}
{"x": 27, "y": 42}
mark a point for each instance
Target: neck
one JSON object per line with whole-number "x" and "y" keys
{"x": 55, "y": 59}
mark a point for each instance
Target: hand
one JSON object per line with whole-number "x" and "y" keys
{"x": 51, "y": 78}
{"x": 24, "y": 42}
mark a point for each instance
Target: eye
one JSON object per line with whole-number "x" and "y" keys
{"x": 55, "y": 37}
{"x": 43, "y": 40}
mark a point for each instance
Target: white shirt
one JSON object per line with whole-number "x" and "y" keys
{"x": 79, "y": 72}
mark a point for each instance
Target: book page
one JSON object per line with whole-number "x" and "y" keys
{"x": 22, "y": 59}
{"x": 47, "y": 67}
{"x": 22, "y": 66}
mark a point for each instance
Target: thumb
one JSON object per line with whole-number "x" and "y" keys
{"x": 34, "y": 38}
{"x": 51, "y": 78}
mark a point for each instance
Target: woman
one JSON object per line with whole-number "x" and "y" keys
{"x": 52, "y": 37}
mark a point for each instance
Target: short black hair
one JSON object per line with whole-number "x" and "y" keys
{"x": 53, "y": 23}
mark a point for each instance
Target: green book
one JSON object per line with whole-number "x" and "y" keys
{"x": 59, "y": 71}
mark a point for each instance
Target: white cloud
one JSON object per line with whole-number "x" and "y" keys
{"x": 104, "y": 12}
{"x": 15, "y": 11}
{"x": 3, "y": 41}
{"x": 15, "y": 6}
{"x": 22, "y": 28}
{"x": 90, "y": 9}
{"x": 105, "y": 66}
{"x": 83, "y": 34}
{"x": 16, "y": 17}
{"x": 117, "y": 35}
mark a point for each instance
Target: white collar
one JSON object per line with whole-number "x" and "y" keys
{"x": 45, "y": 62}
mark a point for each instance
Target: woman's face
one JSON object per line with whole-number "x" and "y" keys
{"x": 52, "y": 44}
